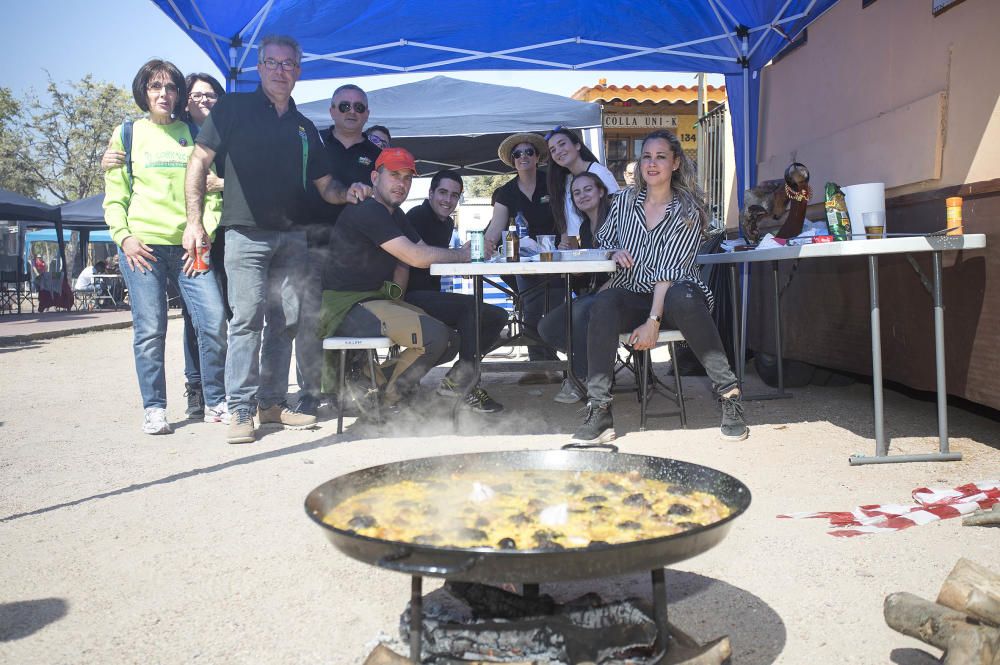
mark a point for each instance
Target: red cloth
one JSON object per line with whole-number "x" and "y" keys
{"x": 63, "y": 300}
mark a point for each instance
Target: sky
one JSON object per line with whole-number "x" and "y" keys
{"x": 112, "y": 38}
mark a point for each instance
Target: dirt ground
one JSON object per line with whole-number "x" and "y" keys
{"x": 117, "y": 547}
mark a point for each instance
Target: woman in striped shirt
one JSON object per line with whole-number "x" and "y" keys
{"x": 655, "y": 229}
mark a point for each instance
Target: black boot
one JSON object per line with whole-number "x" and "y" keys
{"x": 598, "y": 427}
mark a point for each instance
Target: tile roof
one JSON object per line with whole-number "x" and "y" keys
{"x": 602, "y": 92}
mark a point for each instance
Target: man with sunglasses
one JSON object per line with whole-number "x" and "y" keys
{"x": 272, "y": 153}
{"x": 352, "y": 158}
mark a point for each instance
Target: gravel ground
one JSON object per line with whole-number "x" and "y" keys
{"x": 118, "y": 547}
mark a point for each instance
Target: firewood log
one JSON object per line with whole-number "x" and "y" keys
{"x": 984, "y": 517}
{"x": 972, "y": 589}
{"x": 964, "y": 641}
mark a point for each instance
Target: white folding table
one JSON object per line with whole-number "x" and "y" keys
{"x": 936, "y": 245}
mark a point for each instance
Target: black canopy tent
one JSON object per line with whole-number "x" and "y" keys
{"x": 17, "y": 208}
{"x": 84, "y": 215}
{"x": 451, "y": 123}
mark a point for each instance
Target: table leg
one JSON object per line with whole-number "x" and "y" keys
{"x": 416, "y": 617}
{"x": 939, "y": 359}
{"x": 660, "y": 609}
{"x": 477, "y": 357}
{"x": 744, "y": 299}
{"x": 734, "y": 281}
{"x": 780, "y": 394}
{"x": 882, "y": 455}
{"x": 569, "y": 337}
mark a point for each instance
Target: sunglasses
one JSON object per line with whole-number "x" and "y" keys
{"x": 556, "y": 130}
{"x": 344, "y": 107}
{"x": 526, "y": 152}
{"x": 378, "y": 140}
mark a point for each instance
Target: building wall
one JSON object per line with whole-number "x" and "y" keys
{"x": 891, "y": 93}
{"x": 888, "y": 93}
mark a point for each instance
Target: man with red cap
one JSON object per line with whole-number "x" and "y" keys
{"x": 373, "y": 247}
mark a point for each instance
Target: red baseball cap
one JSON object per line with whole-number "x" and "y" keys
{"x": 396, "y": 159}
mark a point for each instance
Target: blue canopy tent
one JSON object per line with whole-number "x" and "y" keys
{"x": 343, "y": 39}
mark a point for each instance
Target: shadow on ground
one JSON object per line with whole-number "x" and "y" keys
{"x": 22, "y": 618}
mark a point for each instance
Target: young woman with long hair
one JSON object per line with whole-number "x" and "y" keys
{"x": 655, "y": 230}
{"x": 570, "y": 157}
{"x": 591, "y": 203}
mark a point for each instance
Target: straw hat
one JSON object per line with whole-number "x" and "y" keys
{"x": 507, "y": 146}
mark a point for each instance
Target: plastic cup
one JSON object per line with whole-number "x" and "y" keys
{"x": 874, "y": 224}
{"x": 547, "y": 243}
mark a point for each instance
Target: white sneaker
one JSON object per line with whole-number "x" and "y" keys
{"x": 155, "y": 421}
{"x": 568, "y": 394}
{"x": 217, "y": 414}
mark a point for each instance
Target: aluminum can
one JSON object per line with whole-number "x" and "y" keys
{"x": 477, "y": 241}
{"x": 202, "y": 259}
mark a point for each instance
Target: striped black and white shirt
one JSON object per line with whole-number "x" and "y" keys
{"x": 664, "y": 254}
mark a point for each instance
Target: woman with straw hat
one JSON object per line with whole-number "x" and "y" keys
{"x": 527, "y": 195}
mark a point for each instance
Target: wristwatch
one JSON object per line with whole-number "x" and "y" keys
{"x": 654, "y": 317}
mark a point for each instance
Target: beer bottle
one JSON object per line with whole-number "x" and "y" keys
{"x": 512, "y": 245}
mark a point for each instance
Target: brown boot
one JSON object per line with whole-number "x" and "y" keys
{"x": 282, "y": 416}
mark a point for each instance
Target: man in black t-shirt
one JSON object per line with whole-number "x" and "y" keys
{"x": 432, "y": 220}
{"x": 272, "y": 152}
{"x": 352, "y": 157}
{"x": 372, "y": 248}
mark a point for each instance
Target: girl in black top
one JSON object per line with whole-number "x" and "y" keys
{"x": 591, "y": 203}
{"x": 527, "y": 194}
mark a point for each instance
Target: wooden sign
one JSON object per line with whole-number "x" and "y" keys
{"x": 649, "y": 121}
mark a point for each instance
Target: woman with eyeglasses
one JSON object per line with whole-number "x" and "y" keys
{"x": 145, "y": 211}
{"x": 655, "y": 230}
{"x": 527, "y": 195}
{"x": 590, "y": 202}
{"x": 569, "y": 158}
{"x": 203, "y": 92}
{"x": 379, "y": 135}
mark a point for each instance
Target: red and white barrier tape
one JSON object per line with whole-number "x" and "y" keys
{"x": 932, "y": 504}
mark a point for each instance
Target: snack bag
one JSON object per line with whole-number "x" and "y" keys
{"x": 836, "y": 212}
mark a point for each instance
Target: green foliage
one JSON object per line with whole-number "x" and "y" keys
{"x": 482, "y": 186}
{"x": 65, "y": 135}
{"x": 13, "y": 176}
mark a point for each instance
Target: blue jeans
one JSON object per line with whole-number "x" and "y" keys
{"x": 308, "y": 345}
{"x": 192, "y": 366}
{"x": 148, "y": 295}
{"x": 265, "y": 270}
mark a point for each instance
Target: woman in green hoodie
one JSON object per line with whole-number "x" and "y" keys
{"x": 144, "y": 209}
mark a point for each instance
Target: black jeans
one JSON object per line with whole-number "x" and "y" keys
{"x": 533, "y": 306}
{"x": 552, "y": 328}
{"x": 458, "y": 311}
{"x": 616, "y": 311}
